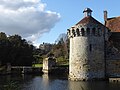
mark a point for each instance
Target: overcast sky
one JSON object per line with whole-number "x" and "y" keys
{"x": 43, "y": 20}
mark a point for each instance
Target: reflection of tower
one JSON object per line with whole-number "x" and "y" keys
{"x": 87, "y": 37}
{"x": 73, "y": 85}
{"x": 45, "y": 82}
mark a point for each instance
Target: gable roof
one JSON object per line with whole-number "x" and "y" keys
{"x": 113, "y": 24}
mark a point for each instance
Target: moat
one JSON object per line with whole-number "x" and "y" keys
{"x": 45, "y": 82}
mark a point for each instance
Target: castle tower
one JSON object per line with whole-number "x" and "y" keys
{"x": 86, "y": 56}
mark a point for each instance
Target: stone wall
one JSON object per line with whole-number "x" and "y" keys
{"x": 113, "y": 68}
{"x": 113, "y": 56}
{"x": 48, "y": 64}
{"x": 86, "y": 64}
{"x": 112, "y": 60}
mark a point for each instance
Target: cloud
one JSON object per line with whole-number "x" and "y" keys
{"x": 27, "y": 18}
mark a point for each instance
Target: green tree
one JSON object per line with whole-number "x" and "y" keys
{"x": 15, "y": 50}
{"x": 21, "y": 51}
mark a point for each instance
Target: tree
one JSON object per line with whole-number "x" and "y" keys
{"x": 15, "y": 50}
{"x": 4, "y": 47}
{"x": 21, "y": 51}
{"x": 60, "y": 50}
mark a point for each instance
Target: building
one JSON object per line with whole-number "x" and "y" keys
{"x": 113, "y": 46}
{"x": 87, "y": 56}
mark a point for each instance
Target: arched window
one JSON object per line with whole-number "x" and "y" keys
{"x": 68, "y": 31}
{"x": 73, "y": 31}
{"x": 93, "y": 31}
{"x": 90, "y": 47}
{"x": 78, "y": 33}
{"x": 88, "y": 31}
{"x": 82, "y": 31}
{"x": 99, "y": 32}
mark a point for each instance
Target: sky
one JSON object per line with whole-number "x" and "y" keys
{"x": 44, "y": 20}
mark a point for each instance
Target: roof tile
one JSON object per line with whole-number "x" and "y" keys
{"x": 113, "y": 24}
{"x": 89, "y": 19}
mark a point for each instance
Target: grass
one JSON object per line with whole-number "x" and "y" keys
{"x": 37, "y": 65}
{"x": 63, "y": 65}
{"x": 61, "y": 62}
{"x": 41, "y": 65}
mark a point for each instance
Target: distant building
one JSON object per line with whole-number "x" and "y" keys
{"x": 89, "y": 44}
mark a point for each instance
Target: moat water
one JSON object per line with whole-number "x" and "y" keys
{"x": 45, "y": 82}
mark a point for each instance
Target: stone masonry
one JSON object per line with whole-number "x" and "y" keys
{"x": 48, "y": 64}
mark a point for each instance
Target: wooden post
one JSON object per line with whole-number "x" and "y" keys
{"x": 8, "y": 68}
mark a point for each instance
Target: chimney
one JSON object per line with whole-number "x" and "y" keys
{"x": 105, "y": 16}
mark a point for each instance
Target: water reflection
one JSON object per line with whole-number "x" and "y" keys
{"x": 7, "y": 83}
{"x": 73, "y": 85}
{"x": 46, "y": 82}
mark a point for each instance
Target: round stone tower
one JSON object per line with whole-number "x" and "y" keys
{"x": 87, "y": 41}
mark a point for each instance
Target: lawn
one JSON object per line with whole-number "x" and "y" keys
{"x": 37, "y": 65}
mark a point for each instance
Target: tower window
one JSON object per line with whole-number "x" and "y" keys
{"x": 73, "y": 31}
{"x": 88, "y": 31}
{"x": 99, "y": 31}
{"x": 90, "y": 47}
{"x": 93, "y": 31}
{"x": 78, "y": 33}
{"x": 82, "y": 31}
{"x": 68, "y": 32}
